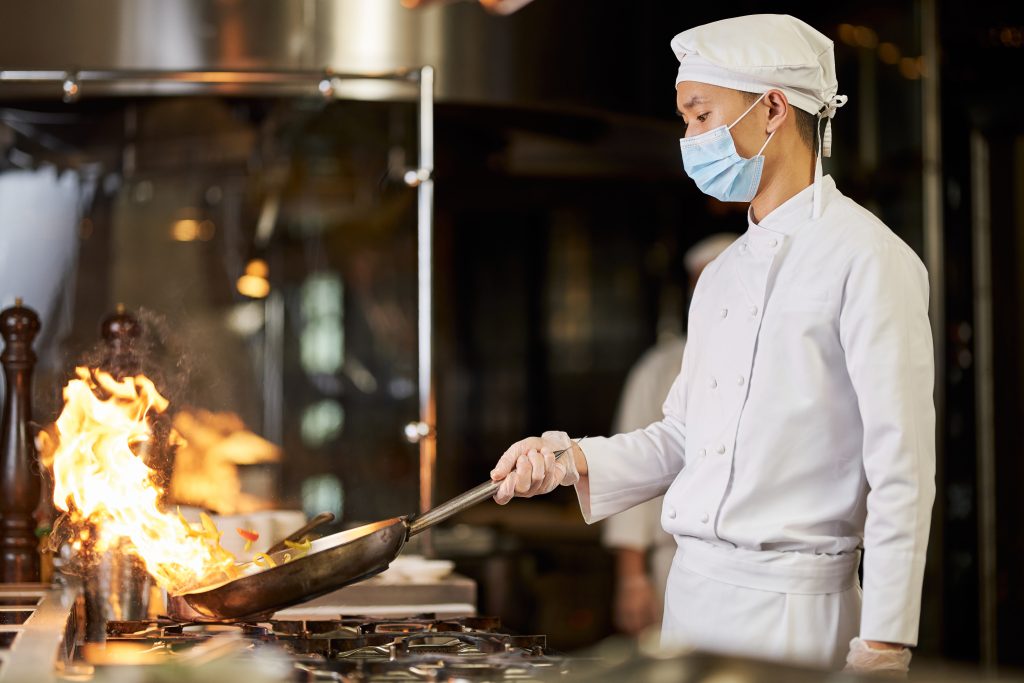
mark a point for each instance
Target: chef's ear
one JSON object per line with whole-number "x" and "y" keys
{"x": 778, "y": 109}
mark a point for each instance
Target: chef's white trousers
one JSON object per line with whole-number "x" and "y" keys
{"x": 805, "y": 627}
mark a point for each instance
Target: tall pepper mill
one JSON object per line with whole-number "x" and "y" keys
{"x": 122, "y": 358}
{"x": 121, "y": 331}
{"x": 20, "y": 480}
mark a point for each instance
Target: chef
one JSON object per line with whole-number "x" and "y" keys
{"x": 643, "y": 551}
{"x": 801, "y": 429}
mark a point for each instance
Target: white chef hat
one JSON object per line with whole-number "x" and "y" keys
{"x": 706, "y": 251}
{"x": 761, "y": 52}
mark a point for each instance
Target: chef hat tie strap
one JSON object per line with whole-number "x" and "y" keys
{"x": 816, "y": 205}
{"x": 827, "y": 111}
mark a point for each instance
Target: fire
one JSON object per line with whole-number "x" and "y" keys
{"x": 101, "y": 480}
{"x": 207, "y": 467}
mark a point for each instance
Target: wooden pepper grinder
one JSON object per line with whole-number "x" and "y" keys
{"x": 20, "y": 480}
{"x": 121, "y": 331}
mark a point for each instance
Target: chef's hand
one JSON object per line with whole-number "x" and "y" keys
{"x": 636, "y": 606}
{"x": 528, "y": 467}
{"x": 880, "y": 659}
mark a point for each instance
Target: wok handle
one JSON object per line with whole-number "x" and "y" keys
{"x": 463, "y": 501}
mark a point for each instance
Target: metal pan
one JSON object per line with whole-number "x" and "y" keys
{"x": 178, "y": 609}
{"x": 335, "y": 561}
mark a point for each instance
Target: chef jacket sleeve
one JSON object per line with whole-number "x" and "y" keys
{"x": 628, "y": 469}
{"x": 887, "y": 341}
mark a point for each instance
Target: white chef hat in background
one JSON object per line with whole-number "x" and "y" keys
{"x": 706, "y": 251}
{"x": 761, "y": 52}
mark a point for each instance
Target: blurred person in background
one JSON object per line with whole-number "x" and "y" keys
{"x": 643, "y": 550}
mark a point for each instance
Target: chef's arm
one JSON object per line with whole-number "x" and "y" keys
{"x": 632, "y": 468}
{"x": 887, "y": 342}
{"x": 610, "y": 474}
{"x": 630, "y": 535}
{"x": 629, "y": 469}
{"x": 630, "y": 563}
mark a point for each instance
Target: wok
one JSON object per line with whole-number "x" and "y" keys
{"x": 333, "y": 562}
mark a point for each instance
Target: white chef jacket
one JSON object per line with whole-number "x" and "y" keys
{"x": 639, "y": 528}
{"x": 802, "y": 426}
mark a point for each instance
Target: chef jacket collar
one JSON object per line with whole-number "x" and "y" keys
{"x": 795, "y": 211}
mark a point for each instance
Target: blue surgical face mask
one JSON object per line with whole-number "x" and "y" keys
{"x": 714, "y": 164}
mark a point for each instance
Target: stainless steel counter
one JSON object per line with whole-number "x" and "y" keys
{"x": 38, "y": 624}
{"x": 452, "y": 596}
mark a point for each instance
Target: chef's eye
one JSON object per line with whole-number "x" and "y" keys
{"x": 704, "y": 117}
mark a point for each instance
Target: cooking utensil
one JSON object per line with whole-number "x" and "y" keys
{"x": 334, "y": 561}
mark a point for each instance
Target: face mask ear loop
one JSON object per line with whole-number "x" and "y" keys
{"x": 760, "y": 151}
{"x": 749, "y": 109}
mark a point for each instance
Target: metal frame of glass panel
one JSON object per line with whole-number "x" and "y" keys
{"x": 73, "y": 85}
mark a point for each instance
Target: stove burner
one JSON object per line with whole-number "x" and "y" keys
{"x": 356, "y": 649}
{"x": 426, "y": 623}
{"x": 437, "y": 668}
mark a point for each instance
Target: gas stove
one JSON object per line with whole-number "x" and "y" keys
{"x": 355, "y": 649}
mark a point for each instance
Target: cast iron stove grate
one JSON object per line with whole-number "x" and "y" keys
{"x": 356, "y": 649}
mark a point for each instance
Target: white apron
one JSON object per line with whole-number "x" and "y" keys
{"x": 762, "y": 605}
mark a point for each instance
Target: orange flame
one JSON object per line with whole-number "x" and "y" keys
{"x": 99, "y": 479}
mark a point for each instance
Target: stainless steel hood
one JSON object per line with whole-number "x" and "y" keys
{"x": 464, "y": 44}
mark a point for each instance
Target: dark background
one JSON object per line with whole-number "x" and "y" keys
{"x": 561, "y": 219}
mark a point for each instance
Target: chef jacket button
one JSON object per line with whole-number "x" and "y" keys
{"x": 671, "y": 513}
{"x": 753, "y": 310}
{"x": 721, "y": 450}
{"x": 740, "y": 380}
{"x": 725, "y": 312}
{"x": 773, "y": 244}
{"x": 714, "y": 383}
{"x": 704, "y": 518}
{"x": 703, "y": 452}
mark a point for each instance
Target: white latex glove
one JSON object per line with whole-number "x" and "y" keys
{"x": 888, "y": 663}
{"x": 528, "y": 467}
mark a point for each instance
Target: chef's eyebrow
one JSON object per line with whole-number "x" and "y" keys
{"x": 693, "y": 101}
{"x": 690, "y": 104}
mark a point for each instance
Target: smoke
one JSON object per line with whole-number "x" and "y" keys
{"x": 156, "y": 352}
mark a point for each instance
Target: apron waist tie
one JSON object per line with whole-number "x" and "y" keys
{"x": 769, "y": 570}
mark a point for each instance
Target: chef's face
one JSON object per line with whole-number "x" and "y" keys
{"x": 705, "y": 107}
